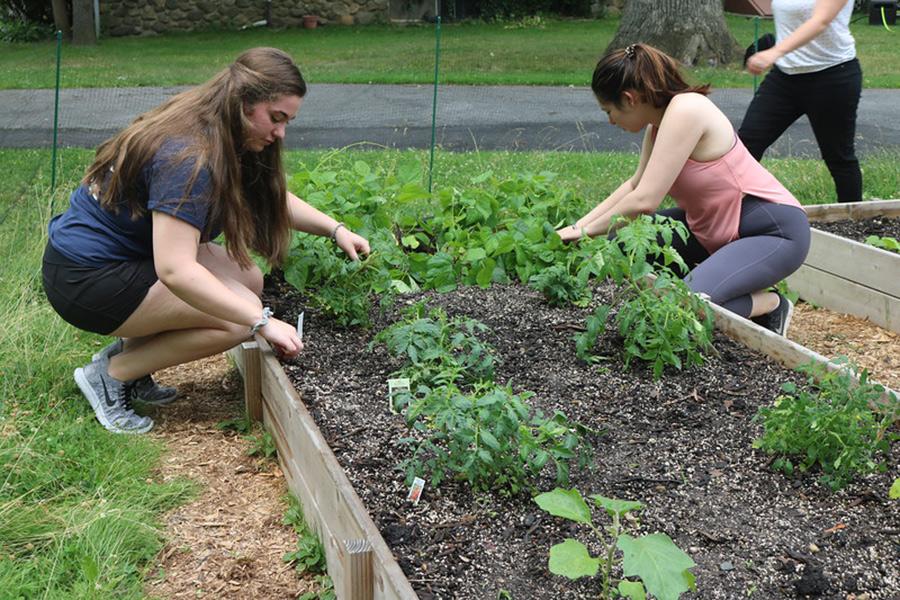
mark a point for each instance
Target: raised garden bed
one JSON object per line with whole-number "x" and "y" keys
{"x": 681, "y": 445}
{"x": 846, "y": 275}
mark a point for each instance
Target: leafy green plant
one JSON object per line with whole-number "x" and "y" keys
{"x": 662, "y": 321}
{"x": 309, "y": 557}
{"x": 662, "y": 569}
{"x": 561, "y": 287}
{"x": 492, "y": 438}
{"x": 496, "y": 231}
{"x": 894, "y": 492}
{"x": 22, "y": 31}
{"x": 886, "y": 243}
{"x": 839, "y": 423}
{"x": 262, "y": 444}
{"x": 325, "y": 591}
{"x": 439, "y": 350}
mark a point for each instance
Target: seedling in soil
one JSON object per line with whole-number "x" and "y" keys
{"x": 662, "y": 569}
{"x": 831, "y": 424}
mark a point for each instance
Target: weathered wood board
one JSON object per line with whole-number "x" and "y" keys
{"x": 847, "y": 276}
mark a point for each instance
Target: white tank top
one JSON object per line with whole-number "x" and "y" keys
{"x": 832, "y": 47}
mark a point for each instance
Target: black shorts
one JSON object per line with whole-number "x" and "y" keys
{"x": 97, "y": 299}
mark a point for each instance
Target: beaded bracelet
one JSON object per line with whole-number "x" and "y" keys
{"x": 263, "y": 321}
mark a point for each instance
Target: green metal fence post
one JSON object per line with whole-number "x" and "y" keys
{"x": 755, "y": 46}
{"x": 437, "y": 60}
{"x": 55, "y": 113}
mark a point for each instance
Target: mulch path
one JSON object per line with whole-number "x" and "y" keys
{"x": 681, "y": 445}
{"x": 229, "y": 541}
{"x": 834, "y": 334}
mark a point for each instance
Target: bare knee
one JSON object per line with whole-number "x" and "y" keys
{"x": 253, "y": 279}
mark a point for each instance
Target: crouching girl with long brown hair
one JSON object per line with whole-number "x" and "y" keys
{"x": 133, "y": 256}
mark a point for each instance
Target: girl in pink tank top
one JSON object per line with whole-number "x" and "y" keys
{"x": 747, "y": 232}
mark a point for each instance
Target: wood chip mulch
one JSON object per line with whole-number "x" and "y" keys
{"x": 833, "y": 334}
{"x": 229, "y": 541}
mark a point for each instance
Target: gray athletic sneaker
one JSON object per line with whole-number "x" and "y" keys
{"x": 110, "y": 399}
{"x": 779, "y": 319}
{"x": 145, "y": 389}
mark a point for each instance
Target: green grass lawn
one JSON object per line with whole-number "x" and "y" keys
{"x": 79, "y": 507}
{"x": 559, "y": 52}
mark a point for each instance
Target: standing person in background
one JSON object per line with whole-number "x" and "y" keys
{"x": 133, "y": 256}
{"x": 746, "y": 231}
{"x": 814, "y": 72}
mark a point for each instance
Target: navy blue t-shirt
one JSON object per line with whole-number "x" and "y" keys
{"x": 90, "y": 235}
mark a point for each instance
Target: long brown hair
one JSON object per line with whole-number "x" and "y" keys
{"x": 653, "y": 74}
{"x": 248, "y": 191}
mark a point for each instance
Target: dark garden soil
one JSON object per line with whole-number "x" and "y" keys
{"x": 859, "y": 230}
{"x": 681, "y": 445}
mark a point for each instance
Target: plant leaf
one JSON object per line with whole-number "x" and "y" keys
{"x": 571, "y": 559}
{"x": 567, "y": 504}
{"x": 661, "y": 565}
{"x": 632, "y": 589}
{"x": 614, "y": 506}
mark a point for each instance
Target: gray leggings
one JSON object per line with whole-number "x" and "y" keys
{"x": 773, "y": 240}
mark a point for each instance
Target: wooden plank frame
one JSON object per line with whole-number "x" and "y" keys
{"x": 359, "y": 560}
{"x": 847, "y": 276}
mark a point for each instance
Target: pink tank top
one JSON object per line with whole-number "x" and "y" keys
{"x": 710, "y": 193}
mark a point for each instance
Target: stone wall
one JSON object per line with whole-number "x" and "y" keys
{"x": 150, "y": 17}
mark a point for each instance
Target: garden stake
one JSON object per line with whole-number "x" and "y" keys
{"x": 755, "y": 46}
{"x": 250, "y": 356}
{"x": 437, "y": 59}
{"x": 55, "y": 117}
{"x": 359, "y": 583}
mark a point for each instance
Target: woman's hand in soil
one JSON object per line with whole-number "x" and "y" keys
{"x": 570, "y": 233}
{"x": 283, "y": 338}
{"x": 351, "y": 243}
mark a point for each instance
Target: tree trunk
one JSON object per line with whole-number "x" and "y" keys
{"x": 83, "y": 32}
{"x": 61, "y": 18}
{"x": 691, "y": 31}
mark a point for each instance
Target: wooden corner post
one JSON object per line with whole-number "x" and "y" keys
{"x": 358, "y": 582}
{"x": 251, "y": 359}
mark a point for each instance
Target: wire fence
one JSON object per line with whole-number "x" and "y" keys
{"x": 76, "y": 113}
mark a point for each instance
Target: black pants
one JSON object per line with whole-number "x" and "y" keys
{"x": 829, "y": 99}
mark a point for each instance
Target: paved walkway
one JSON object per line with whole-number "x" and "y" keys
{"x": 399, "y": 116}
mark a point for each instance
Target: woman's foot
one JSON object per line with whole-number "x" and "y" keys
{"x": 779, "y": 319}
{"x": 110, "y": 399}
{"x": 145, "y": 390}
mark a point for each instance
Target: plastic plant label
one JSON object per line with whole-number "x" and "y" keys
{"x": 415, "y": 490}
{"x": 300, "y": 326}
{"x": 396, "y": 386}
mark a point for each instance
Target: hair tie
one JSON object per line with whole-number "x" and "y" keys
{"x": 629, "y": 51}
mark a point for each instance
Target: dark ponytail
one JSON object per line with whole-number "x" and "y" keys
{"x": 654, "y": 75}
